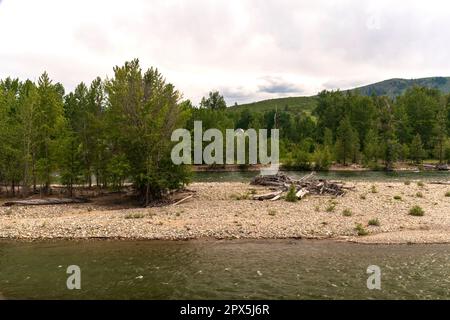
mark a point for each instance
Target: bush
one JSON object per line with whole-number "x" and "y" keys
{"x": 360, "y": 230}
{"x": 363, "y": 197}
{"x": 407, "y": 183}
{"x": 272, "y": 213}
{"x": 347, "y": 213}
{"x": 134, "y": 216}
{"x": 291, "y": 195}
{"x": 397, "y": 197}
{"x": 331, "y": 207}
{"x": 419, "y": 195}
{"x": 416, "y": 211}
{"x": 374, "y": 222}
{"x": 447, "y": 194}
{"x": 420, "y": 184}
{"x": 373, "y": 189}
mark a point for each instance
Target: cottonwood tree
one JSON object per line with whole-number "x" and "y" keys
{"x": 142, "y": 113}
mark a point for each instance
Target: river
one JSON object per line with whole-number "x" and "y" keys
{"x": 208, "y": 269}
{"x": 331, "y": 175}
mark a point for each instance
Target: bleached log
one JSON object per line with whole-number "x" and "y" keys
{"x": 183, "y": 200}
{"x": 44, "y": 202}
{"x": 301, "y": 193}
{"x": 267, "y": 196}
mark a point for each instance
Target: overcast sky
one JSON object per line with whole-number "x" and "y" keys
{"x": 249, "y": 50}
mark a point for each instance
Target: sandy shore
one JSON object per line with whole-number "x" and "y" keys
{"x": 216, "y": 212}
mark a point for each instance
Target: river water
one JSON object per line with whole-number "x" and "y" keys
{"x": 258, "y": 269}
{"x": 331, "y": 175}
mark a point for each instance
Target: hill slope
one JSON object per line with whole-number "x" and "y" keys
{"x": 396, "y": 87}
{"x": 391, "y": 88}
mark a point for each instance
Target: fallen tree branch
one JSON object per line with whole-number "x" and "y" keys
{"x": 183, "y": 200}
{"x": 44, "y": 202}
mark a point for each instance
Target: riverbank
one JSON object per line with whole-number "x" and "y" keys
{"x": 222, "y": 211}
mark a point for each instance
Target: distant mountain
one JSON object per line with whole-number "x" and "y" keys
{"x": 391, "y": 88}
{"x": 396, "y": 87}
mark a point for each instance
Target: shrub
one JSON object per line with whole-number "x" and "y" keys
{"x": 397, "y": 197}
{"x": 134, "y": 216}
{"x": 420, "y": 184}
{"x": 447, "y": 194}
{"x": 373, "y": 189}
{"x": 331, "y": 207}
{"x": 374, "y": 222}
{"x": 419, "y": 195}
{"x": 272, "y": 212}
{"x": 416, "y": 211}
{"x": 363, "y": 197}
{"x": 360, "y": 230}
{"x": 347, "y": 213}
{"x": 291, "y": 195}
{"x": 407, "y": 182}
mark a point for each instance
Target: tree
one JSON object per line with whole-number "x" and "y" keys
{"x": 347, "y": 142}
{"x": 440, "y": 135}
{"x": 143, "y": 111}
{"x": 49, "y": 115}
{"x": 416, "y": 151}
{"x": 215, "y": 101}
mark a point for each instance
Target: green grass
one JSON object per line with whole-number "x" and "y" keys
{"x": 360, "y": 230}
{"x": 291, "y": 197}
{"x": 416, "y": 211}
{"x": 374, "y": 222}
{"x": 347, "y": 213}
{"x": 134, "y": 216}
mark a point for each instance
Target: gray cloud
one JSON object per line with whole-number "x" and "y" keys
{"x": 277, "y": 85}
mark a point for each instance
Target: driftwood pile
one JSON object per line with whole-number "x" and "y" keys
{"x": 281, "y": 184}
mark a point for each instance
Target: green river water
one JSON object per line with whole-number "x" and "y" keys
{"x": 260, "y": 269}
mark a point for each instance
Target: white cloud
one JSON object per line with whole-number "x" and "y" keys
{"x": 248, "y": 49}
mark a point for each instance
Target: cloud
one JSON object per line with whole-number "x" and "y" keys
{"x": 277, "y": 85}
{"x": 251, "y": 49}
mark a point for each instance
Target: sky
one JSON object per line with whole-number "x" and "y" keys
{"x": 249, "y": 50}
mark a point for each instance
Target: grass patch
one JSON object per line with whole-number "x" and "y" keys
{"x": 374, "y": 222}
{"x": 360, "y": 230}
{"x": 420, "y": 184}
{"x": 397, "y": 198}
{"x": 347, "y": 213}
{"x": 291, "y": 197}
{"x": 416, "y": 211}
{"x": 330, "y": 207}
{"x": 134, "y": 216}
{"x": 272, "y": 213}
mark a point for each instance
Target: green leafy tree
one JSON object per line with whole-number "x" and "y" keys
{"x": 215, "y": 101}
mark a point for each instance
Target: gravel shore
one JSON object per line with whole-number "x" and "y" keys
{"x": 222, "y": 211}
